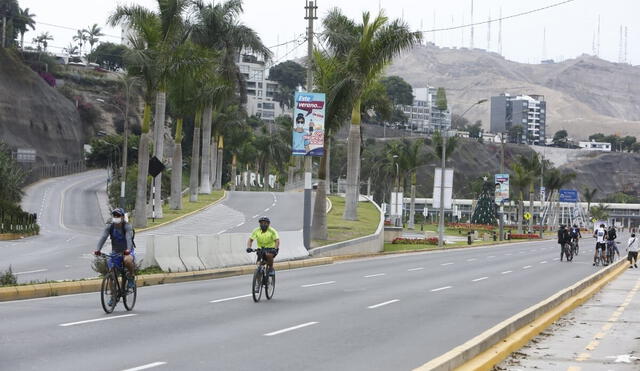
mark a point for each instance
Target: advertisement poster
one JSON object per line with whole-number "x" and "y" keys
{"x": 448, "y": 188}
{"x": 502, "y": 188}
{"x": 308, "y": 124}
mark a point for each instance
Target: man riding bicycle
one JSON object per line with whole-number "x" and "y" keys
{"x": 121, "y": 234}
{"x": 563, "y": 239}
{"x": 600, "y": 236}
{"x": 268, "y": 242}
{"x": 611, "y": 241}
{"x": 575, "y": 237}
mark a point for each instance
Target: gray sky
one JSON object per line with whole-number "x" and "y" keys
{"x": 570, "y": 28}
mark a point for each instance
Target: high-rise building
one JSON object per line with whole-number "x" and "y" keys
{"x": 527, "y": 111}
{"x": 260, "y": 90}
{"x": 422, "y": 115}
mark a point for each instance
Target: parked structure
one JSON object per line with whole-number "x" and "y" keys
{"x": 528, "y": 111}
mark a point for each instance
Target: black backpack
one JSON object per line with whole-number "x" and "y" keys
{"x": 133, "y": 233}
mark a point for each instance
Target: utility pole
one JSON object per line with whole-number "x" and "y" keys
{"x": 442, "y": 172}
{"x": 310, "y": 15}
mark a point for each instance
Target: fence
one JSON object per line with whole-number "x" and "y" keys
{"x": 12, "y": 221}
{"x": 35, "y": 172}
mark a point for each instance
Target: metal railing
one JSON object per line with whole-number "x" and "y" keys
{"x": 18, "y": 222}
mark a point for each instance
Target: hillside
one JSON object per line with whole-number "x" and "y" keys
{"x": 584, "y": 95}
{"x": 35, "y": 115}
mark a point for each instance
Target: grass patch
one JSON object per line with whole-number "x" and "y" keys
{"x": 188, "y": 207}
{"x": 342, "y": 230}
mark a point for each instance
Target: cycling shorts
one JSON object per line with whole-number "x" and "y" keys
{"x": 600, "y": 245}
{"x": 267, "y": 250}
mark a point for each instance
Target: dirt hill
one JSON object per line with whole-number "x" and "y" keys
{"x": 584, "y": 95}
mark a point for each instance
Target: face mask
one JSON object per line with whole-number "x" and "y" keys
{"x": 264, "y": 227}
{"x": 117, "y": 220}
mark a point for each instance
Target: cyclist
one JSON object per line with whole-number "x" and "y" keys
{"x": 268, "y": 242}
{"x": 563, "y": 239}
{"x": 575, "y": 237}
{"x": 121, "y": 234}
{"x": 632, "y": 247}
{"x": 611, "y": 241}
{"x": 600, "y": 236}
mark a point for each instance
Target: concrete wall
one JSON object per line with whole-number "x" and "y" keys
{"x": 193, "y": 253}
{"x": 364, "y": 245}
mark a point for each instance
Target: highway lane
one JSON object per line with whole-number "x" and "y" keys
{"x": 388, "y": 313}
{"x": 70, "y": 219}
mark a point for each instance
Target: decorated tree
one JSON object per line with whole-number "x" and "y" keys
{"x": 485, "y": 212}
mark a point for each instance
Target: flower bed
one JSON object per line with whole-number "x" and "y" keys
{"x": 415, "y": 241}
{"x": 515, "y": 236}
{"x": 469, "y": 226}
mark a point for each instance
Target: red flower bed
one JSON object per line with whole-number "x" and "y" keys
{"x": 515, "y": 236}
{"x": 415, "y": 241}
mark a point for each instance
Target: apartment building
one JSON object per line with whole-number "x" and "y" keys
{"x": 528, "y": 111}
{"x": 422, "y": 115}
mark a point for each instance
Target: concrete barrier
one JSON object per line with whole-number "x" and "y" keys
{"x": 373, "y": 243}
{"x": 188, "y": 250}
{"x": 166, "y": 253}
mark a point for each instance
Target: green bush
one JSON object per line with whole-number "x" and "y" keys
{"x": 7, "y": 278}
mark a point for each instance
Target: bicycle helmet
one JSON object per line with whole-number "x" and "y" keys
{"x": 264, "y": 219}
{"x": 117, "y": 212}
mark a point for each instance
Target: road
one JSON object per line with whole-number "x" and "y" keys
{"x": 70, "y": 220}
{"x": 387, "y": 313}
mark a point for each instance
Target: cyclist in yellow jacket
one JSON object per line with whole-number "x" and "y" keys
{"x": 268, "y": 241}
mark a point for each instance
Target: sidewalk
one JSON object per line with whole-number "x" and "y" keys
{"x": 602, "y": 334}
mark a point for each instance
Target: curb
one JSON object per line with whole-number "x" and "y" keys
{"x": 494, "y": 345}
{"x": 224, "y": 197}
{"x": 93, "y": 285}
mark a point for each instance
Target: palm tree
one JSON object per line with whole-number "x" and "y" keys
{"x": 80, "y": 37}
{"x": 8, "y": 10}
{"x": 25, "y": 21}
{"x": 600, "y": 212}
{"x": 520, "y": 179}
{"x": 364, "y": 49}
{"x": 436, "y": 141}
{"x": 532, "y": 165}
{"x": 176, "y": 170}
{"x": 71, "y": 50}
{"x": 412, "y": 160}
{"x": 589, "y": 195}
{"x": 93, "y": 34}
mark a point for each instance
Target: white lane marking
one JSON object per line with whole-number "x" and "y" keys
{"x": 375, "y": 275}
{"x": 290, "y": 329}
{"x": 383, "y": 304}
{"x": 222, "y": 231}
{"x": 443, "y": 264}
{"x": 479, "y": 279}
{"x": 227, "y": 299}
{"x": 96, "y": 320}
{"x": 267, "y": 209}
{"x": 441, "y": 288}
{"x": 472, "y": 259}
{"x": 506, "y": 272}
{"x": 239, "y": 225}
{"x": 34, "y": 271}
{"x": 147, "y": 366}
{"x": 273, "y": 204}
{"x": 414, "y": 269}
{"x": 317, "y": 284}
{"x": 255, "y": 216}
{"x": 492, "y": 256}
{"x": 543, "y": 262}
{"x": 526, "y": 267}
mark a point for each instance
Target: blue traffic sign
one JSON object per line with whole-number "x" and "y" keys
{"x": 568, "y": 195}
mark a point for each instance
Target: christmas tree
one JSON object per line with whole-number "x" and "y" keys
{"x": 485, "y": 212}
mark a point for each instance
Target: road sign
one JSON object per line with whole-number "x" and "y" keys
{"x": 527, "y": 216}
{"x": 155, "y": 166}
{"x": 568, "y": 195}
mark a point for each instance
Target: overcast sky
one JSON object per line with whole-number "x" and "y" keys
{"x": 570, "y": 28}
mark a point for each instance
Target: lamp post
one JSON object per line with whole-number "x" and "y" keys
{"x": 397, "y": 190}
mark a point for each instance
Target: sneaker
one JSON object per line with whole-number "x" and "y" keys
{"x": 110, "y": 303}
{"x": 272, "y": 272}
{"x": 131, "y": 283}
{"x": 594, "y": 264}
{"x": 631, "y": 266}
{"x": 635, "y": 265}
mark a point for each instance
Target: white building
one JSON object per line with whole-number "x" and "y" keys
{"x": 260, "y": 90}
{"x": 596, "y": 146}
{"x": 126, "y": 33}
{"x": 422, "y": 115}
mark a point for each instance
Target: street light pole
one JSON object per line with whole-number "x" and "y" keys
{"x": 442, "y": 172}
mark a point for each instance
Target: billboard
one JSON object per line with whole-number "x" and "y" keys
{"x": 568, "y": 195}
{"x": 308, "y": 124}
{"x": 502, "y": 188}
{"x": 448, "y": 188}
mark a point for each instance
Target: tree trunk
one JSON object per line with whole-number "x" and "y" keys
{"x": 140, "y": 220}
{"x": 158, "y": 128}
{"x": 327, "y": 178}
{"x": 353, "y": 166}
{"x": 233, "y": 172}
{"x": 213, "y": 162}
{"x": 4, "y": 30}
{"x": 176, "y": 178}
{"x": 520, "y": 210}
{"x": 265, "y": 177}
{"x": 319, "y": 221}
{"x": 219, "y": 166}
{"x": 205, "y": 180}
{"x": 531, "y": 209}
{"x": 195, "y": 160}
{"x": 22, "y": 41}
{"x": 412, "y": 207}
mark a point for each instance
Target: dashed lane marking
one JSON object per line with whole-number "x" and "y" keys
{"x": 479, "y": 279}
{"x": 507, "y": 272}
{"x": 96, "y": 320}
{"x": 34, "y": 271}
{"x": 441, "y": 288}
{"x": 414, "y": 269}
{"x": 383, "y": 304}
{"x": 317, "y": 284}
{"x": 444, "y": 264}
{"x": 375, "y": 275}
{"x": 229, "y": 299}
{"x": 291, "y": 329}
{"x": 147, "y": 366}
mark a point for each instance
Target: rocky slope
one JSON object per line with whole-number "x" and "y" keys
{"x": 584, "y": 95}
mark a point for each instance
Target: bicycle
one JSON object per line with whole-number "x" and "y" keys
{"x": 112, "y": 290}
{"x": 599, "y": 257}
{"x": 610, "y": 252}
{"x": 568, "y": 251}
{"x": 262, "y": 278}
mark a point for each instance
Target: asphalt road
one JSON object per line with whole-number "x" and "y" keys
{"x": 70, "y": 220}
{"x": 388, "y": 313}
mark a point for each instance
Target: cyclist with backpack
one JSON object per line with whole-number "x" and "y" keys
{"x": 575, "y": 237}
{"x": 121, "y": 234}
{"x": 611, "y": 242}
{"x": 564, "y": 239}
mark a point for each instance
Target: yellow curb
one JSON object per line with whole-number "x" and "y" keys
{"x": 75, "y": 287}
{"x": 224, "y": 196}
{"x": 15, "y": 236}
{"x": 503, "y": 348}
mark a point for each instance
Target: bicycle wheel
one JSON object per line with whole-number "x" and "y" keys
{"x": 109, "y": 293}
{"x": 569, "y": 254}
{"x": 270, "y": 286}
{"x": 130, "y": 294}
{"x": 256, "y": 285}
